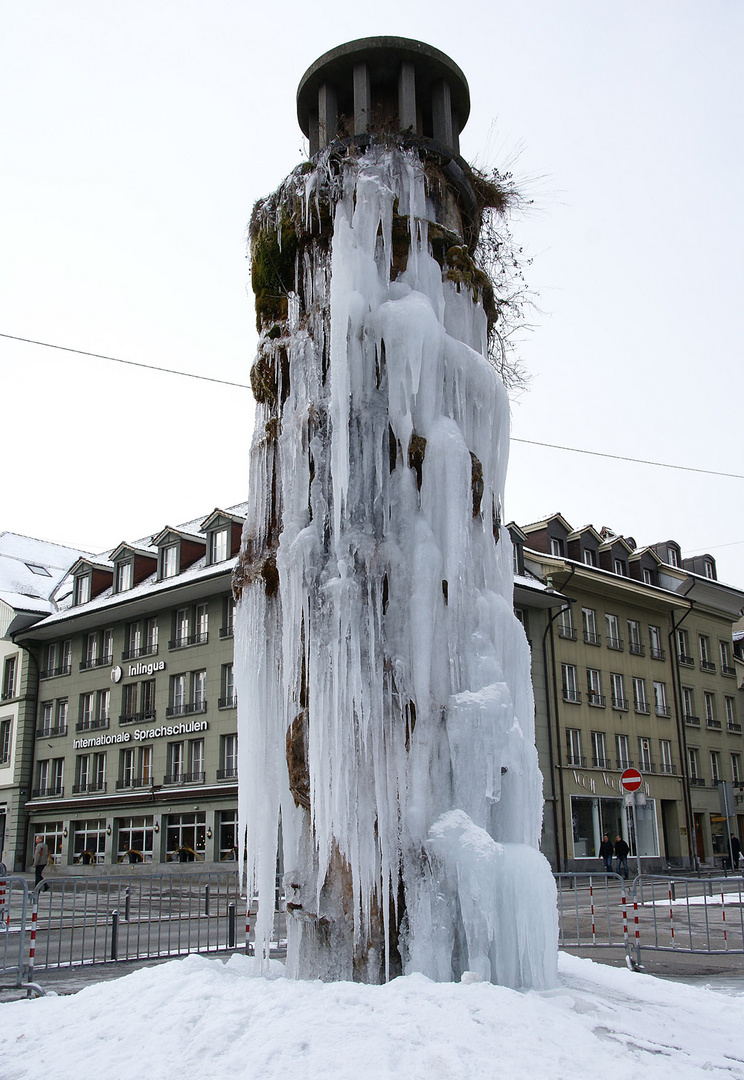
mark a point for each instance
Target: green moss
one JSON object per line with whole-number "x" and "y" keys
{"x": 263, "y": 381}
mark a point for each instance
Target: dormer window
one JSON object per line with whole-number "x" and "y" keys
{"x": 673, "y": 556}
{"x": 169, "y": 561}
{"x": 709, "y": 570}
{"x": 620, "y": 567}
{"x": 589, "y": 557}
{"x": 124, "y": 576}
{"x": 556, "y": 547}
{"x": 81, "y": 594}
{"x": 219, "y": 545}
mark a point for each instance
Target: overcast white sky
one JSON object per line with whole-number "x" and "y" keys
{"x": 135, "y": 137}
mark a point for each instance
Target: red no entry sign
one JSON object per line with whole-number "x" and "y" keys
{"x": 631, "y": 779}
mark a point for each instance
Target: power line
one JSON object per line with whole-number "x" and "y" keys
{"x": 245, "y": 386}
{"x": 635, "y": 460}
{"x": 129, "y": 363}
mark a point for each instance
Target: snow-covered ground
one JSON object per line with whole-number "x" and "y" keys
{"x": 201, "y": 1017}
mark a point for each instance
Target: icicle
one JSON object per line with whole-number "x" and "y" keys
{"x": 384, "y": 685}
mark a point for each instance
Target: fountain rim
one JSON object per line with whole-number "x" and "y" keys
{"x": 341, "y": 59}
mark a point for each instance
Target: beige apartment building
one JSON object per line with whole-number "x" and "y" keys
{"x": 641, "y": 675}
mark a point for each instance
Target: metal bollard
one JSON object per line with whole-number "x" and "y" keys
{"x": 206, "y": 899}
{"x": 114, "y": 935}
{"x": 127, "y": 899}
{"x": 231, "y": 925}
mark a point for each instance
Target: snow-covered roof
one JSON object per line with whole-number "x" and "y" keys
{"x": 108, "y": 598}
{"x": 31, "y": 569}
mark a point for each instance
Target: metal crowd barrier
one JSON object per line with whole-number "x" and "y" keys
{"x": 71, "y": 921}
{"x": 664, "y": 913}
{"x": 688, "y": 914}
{"x": 18, "y": 912}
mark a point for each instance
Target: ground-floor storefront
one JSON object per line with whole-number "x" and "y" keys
{"x": 192, "y": 828}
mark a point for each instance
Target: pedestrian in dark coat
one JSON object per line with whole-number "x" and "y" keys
{"x": 605, "y": 853}
{"x": 621, "y": 854}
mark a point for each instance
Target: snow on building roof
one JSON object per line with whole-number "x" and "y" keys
{"x": 31, "y": 568}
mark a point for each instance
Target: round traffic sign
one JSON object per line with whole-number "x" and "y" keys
{"x": 631, "y": 779}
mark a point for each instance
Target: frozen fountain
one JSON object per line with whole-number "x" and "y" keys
{"x": 386, "y": 721}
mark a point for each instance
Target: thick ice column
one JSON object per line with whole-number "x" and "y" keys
{"x": 385, "y": 705}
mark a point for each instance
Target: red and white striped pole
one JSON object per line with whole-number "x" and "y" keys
{"x": 671, "y": 913}
{"x": 723, "y": 916}
{"x": 625, "y": 918}
{"x": 32, "y": 944}
{"x": 248, "y": 927}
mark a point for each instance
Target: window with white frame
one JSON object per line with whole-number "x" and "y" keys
{"x": 594, "y": 687}
{"x": 146, "y": 764}
{"x": 199, "y": 690}
{"x": 556, "y": 547}
{"x": 619, "y": 700}
{"x": 9, "y": 678}
{"x": 709, "y": 705}
{"x": 736, "y": 768}
{"x": 640, "y": 701}
{"x": 6, "y": 730}
{"x": 229, "y": 757}
{"x": 46, "y": 718}
{"x": 635, "y": 644}
{"x": 81, "y": 589}
{"x": 573, "y": 747}
{"x": 201, "y": 623}
{"x": 599, "y": 754}
{"x": 227, "y": 699}
{"x": 620, "y": 567}
{"x": 196, "y": 760}
{"x": 688, "y": 703}
{"x": 622, "y": 749}
{"x": 565, "y": 624}
{"x": 683, "y": 647}
{"x": 61, "y": 716}
{"x": 219, "y": 545}
{"x": 715, "y": 766}
{"x": 730, "y": 706}
{"x": 103, "y": 707}
{"x": 175, "y": 763}
{"x": 589, "y": 557}
{"x": 127, "y": 767}
{"x": 589, "y": 624}
{"x": 705, "y": 661}
{"x": 693, "y": 762}
{"x": 86, "y": 711}
{"x": 644, "y": 755}
{"x": 646, "y": 576}
{"x": 228, "y": 627}
{"x": 665, "y": 754}
{"x": 660, "y": 699}
{"x": 614, "y": 641}
{"x": 169, "y": 561}
{"x": 570, "y": 686}
{"x": 726, "y": 667}
{"x": 655, "y": 641}
{"x": 124, "y": 576}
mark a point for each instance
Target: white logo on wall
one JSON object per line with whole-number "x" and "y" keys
{"x": 116, "y": 674}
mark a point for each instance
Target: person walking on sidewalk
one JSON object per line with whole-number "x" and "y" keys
{"x": 605, "y": 853}
{"x": 41, "y": 858}
{"x": 621, "y": 853}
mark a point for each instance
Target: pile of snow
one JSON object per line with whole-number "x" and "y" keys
{"x": 200, "y": 1017}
